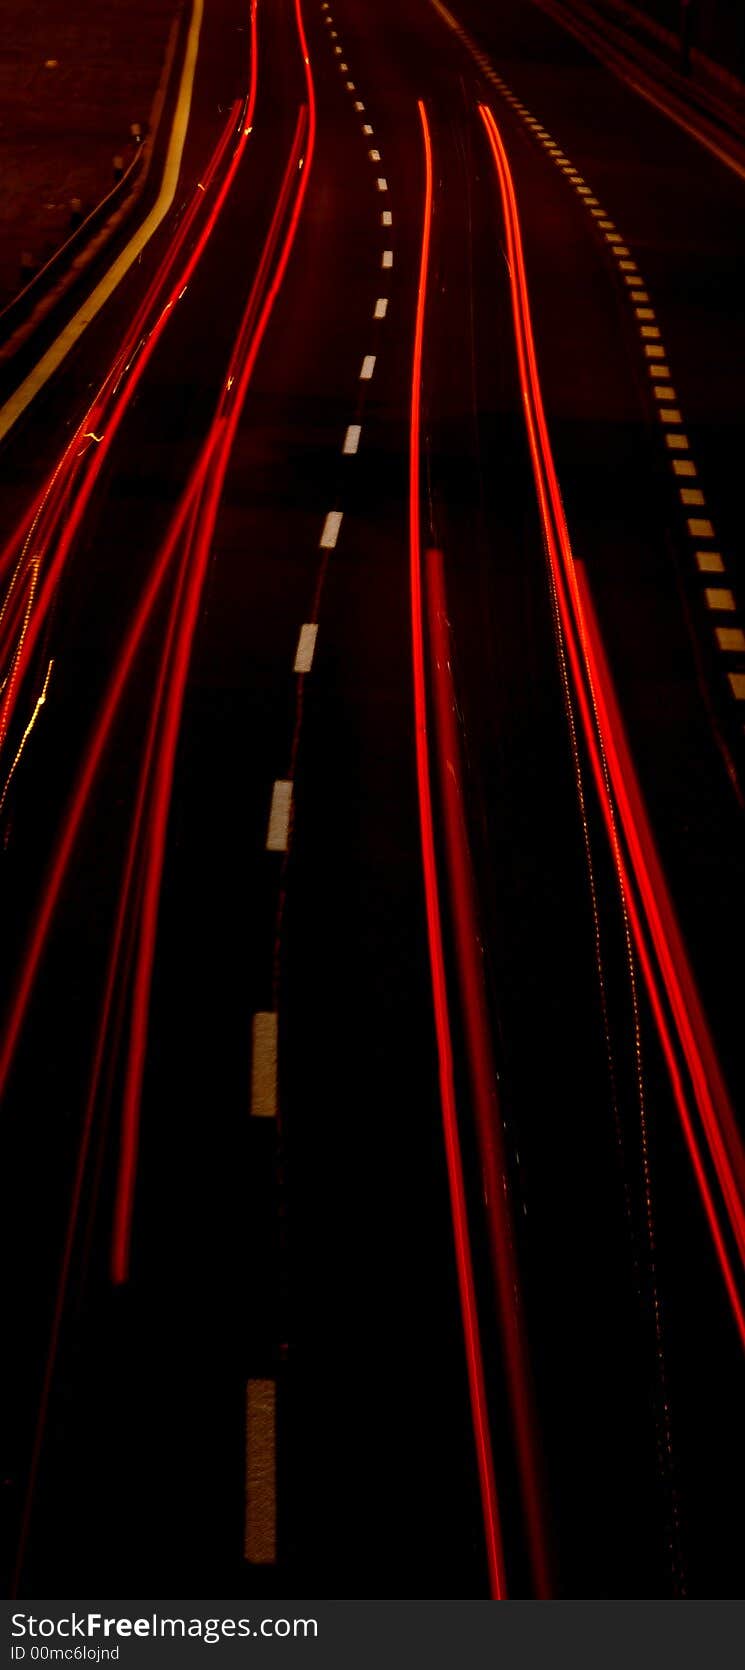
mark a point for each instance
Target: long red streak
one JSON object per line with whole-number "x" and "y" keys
{"x": 250, "y": 337}
{"x": 482, "y": 1068}
{"x": 87, "y": 1126}
{"x": 606, "y": 742}
{"x": 458, "y": 1207}
{"x": 143, "y": 613}
{"x": 91, "y": 763}
{"x": 111, "y": 415}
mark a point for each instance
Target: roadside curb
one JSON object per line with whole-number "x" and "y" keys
{"x": 644, "y": 53}
{"x": 48, "y": 289}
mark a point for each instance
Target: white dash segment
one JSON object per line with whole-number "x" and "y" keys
{"x": 374, "y": 155}
{"x": 352, "y": 438}
{"x": 387, "y": 258}
{"x": 306, "y": 649}
{"x": 386, "y": 218}
{"x": 382, "y": 183}
{"x": 381, "y": 307}
{"x": 264, "y": 1065}
{"x": 278, "y": 833}
{"x": 368, "y": 366}
{"x": 331, "y": 528}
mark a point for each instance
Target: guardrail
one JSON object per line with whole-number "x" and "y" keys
{"x": 44, "y": 288}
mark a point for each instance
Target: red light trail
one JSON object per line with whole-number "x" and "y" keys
{"x": 59, "y": 508}
{"x": 482, "y": 1069}
{"x": 192, "y": 528}
{"x": 454, "y": 1159}
{"x": 640, "y": 876}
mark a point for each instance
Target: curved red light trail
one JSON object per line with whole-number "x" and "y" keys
{"x": 253, "y": 326}
{"x": 106, "y": 411}
{"x": 482, "y": 1069}
{"x": 194, "y": 525}
{"x": 650, "y": 907}
{"x": 71, "y": 524}
{"x": 458, "y": 1207}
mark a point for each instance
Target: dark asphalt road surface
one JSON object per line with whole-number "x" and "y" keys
{"x": 317, "y": 1250}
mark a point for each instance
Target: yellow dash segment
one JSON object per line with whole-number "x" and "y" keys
{"x": 710, "y": 562}
{"x": 260, "y": 1526}
{"x": 264, "y": 1065}
{"x": 731, "y": 639}
{"x": 720, "y": 598}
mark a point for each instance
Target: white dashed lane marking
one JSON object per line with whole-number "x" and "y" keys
{"x": 331, "y": 528}
{"x": 352, "y": 438}
{"x": 278, "y": 833}
{"x": 306, "y": 648}
{"x": 368, "y": 366}
{"x": 381, "y": 307}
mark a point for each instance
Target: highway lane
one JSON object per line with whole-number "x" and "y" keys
{"x": 93, "y": 635}
{"x": 638, "y": 558}
{"x": 578, "y": 331}
{"x": 377, "y": 1485}
{"x": 184, "y": 1514}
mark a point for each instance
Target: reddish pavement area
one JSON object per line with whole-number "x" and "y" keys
{"x": 73, "y": 79}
